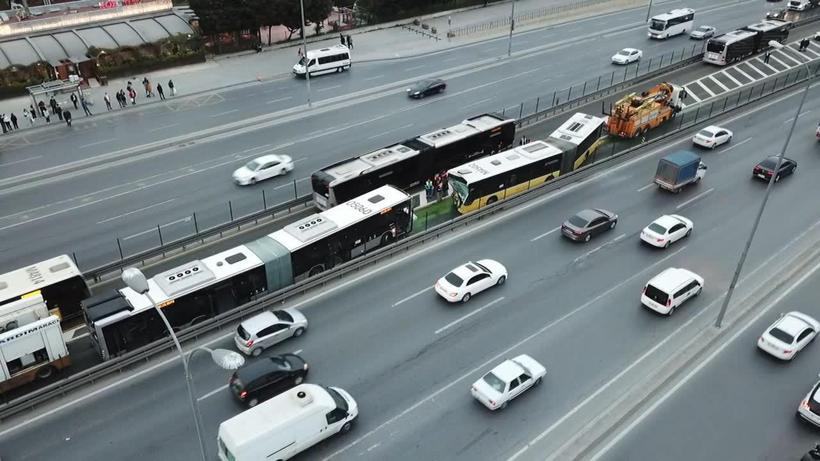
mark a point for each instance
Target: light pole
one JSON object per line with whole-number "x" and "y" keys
{"x": 304, "y": 47}
{"x": 512, "y": 27}
{"x": 736, "y": 276}
{"x": 648, "y": 11}
{"x": 135, "y": 279}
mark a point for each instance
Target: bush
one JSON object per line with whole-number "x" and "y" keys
{"x": 433, "y": 30}
{"x": 416, "y": 22}
{"x": 425, "y": 26}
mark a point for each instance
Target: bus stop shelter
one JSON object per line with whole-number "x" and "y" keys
{"x": 45, "y": 90}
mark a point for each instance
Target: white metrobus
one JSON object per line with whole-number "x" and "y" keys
{"x": 324, "y": 61}
{"x": 672, "y": 23}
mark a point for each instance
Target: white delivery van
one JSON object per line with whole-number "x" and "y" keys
{"x": 324, "y": 61}
{"x": 670, "y": 289}
{"x": 291, "y": 422}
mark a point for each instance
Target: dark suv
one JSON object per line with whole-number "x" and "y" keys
{"x": 267, "y": 377}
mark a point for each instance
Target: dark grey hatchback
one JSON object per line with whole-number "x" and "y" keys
{"x": 267, "y": 377}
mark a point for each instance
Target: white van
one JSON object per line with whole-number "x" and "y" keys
{"x": 670, "y": 289}
{"x": 324, "y": 61}
{"x": 291, "y": 422}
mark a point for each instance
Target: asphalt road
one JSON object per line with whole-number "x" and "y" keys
{"x": 409, "y": 358}
{"x": 741, "y": 405}
{"x": 86, "y": 212}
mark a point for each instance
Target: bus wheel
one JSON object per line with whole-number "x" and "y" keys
{"x": 316, "y": 270}
{"x": 387, "y": 239}
{"x": 492, "y": 200}
{"x": 45, "y": 372}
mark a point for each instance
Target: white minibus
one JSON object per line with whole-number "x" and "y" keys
{"x": 324, "y": 61}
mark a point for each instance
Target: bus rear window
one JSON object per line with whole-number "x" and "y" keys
{"x": 656, "y": 295}
{"x": 714, "y": 47}
{"x": 319, "y": 185}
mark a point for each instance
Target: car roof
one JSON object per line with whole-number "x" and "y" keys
{"x": 260, "y": 321}
{"x": 792, "y": 324}
{"x": 267, "y": 158}
{"x": 253, "y": 370}
{"x": 465, "y": 272}
{"x": 630, "y": 49}
{"x": 508, "y": 370}
{"x": 670, "y": 279}
{"x": 711, "y": 128}
{"x": 667, "y": 221}
{"x": 589, "y": 214}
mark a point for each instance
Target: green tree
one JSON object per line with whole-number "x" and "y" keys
{"x": 317, "y": 11}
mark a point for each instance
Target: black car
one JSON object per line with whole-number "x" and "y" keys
{"x": 588, "y": 223}
{"x": 765, "y": 169}
{"x": 267, "y": 377}
{"x": 426, "y": 88}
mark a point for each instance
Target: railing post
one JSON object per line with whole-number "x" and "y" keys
{"x": 612, "y": 79}
{"x": 196, "y": 225}
{"x": 161, "y": 243}
{"x": 264, "y": 201}
{"x": 119, "y": 245}
{"x": 230, "y": 209}
{"x": 584, "y": 90}
{"x": 598, "y": 86}
{"x": 569, "y": 95}
{"x": 625, "y": 69}
{"x": 711, "y": 106}
{"x": 553, "y": 98}
{"x": 521, "y": 110}
{"x": 697, "y": 112}
{"x": 537, "y": 101}
{"x": 726, "y": 100}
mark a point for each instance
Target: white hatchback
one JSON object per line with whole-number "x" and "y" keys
{"x": 712, "y": 136}
{"x": 268, "y": 328}
{"x": 667, "y": 230}
{"x": 261, "y": 168}
{"x": 467, "y": 280}
{"x": 788, "y": 335}
{"x": 627, "y": 55}
{"x": 507, "y": 381}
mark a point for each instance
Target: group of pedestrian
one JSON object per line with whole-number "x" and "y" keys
{"x": 346, "y": 40}
{"x": 804, "y": 44}
{"x": 437, "y": 187}
{"x": 523, "y": 140}
{"x": 8, "y": 122}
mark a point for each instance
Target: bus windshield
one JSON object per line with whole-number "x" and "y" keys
{"x": 657, "y": 24}
{"x": 714, "y": 47}
{"x": 459, "y": 185}
{"x": 302, "y": 61}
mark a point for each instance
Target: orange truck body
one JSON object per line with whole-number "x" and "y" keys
{"x": 635, "y": 114}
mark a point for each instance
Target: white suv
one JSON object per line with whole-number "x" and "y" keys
{"x": 268, "y": 328}
{"x": 670, "y": 289}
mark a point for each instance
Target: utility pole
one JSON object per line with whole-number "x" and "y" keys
{"x": 512, "y": 26}
{"x": 304, "y": 48}
{"x": 648, "y": 11}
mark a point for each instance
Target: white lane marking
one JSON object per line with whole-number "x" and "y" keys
{"x": 646, "y": 187}
{"x": 717, "y": 82}
{"x": 773, "y": 58}
{"x": 374, "y": 446}
{"x": 512, "y": 213}
{"x": 135, "y": 211}
{"x": 493, "y": 359}
{"x": 545, "y": 234}
{"x": 375, "y": 77}
{"x": 329, "y": 88}
{"x": 788, "y": 120}
{"x": 103, "y": 141}
{"x": 701, "y": 195}
{"x": 450, "y": 59}
{"x": 164, "y": 127}
{"x": 390, "y": 131}
{"x": 212, "y": 393}
{"x": 705, "y": 88}
{"x": 154, "y": 229}
{"x": 734, "y": 145}
{"x": 415, "y": 67}
{"x": 477, "y": 103}
{"x": 290, "y": 184}
{"x": 298, "y": 351}
{"x": 740, "y": 71}
{"x": 758, "y": 71}
{"x": 27, "y": 159}
{"x": 418, "y": 293}
{"x": 224, "y": 113}
{"x": 279, "y": 100}
{"x": 729, "y": 76}
{"x": 703, "y": 364}
{"x": 465, "y": 317}
{"x": 594, "y": 250}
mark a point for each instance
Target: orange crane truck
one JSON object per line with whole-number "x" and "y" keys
{"x": 635, "y": 114}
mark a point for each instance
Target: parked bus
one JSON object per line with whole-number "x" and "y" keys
{"x": 506, "y": 174}
{"x": 410, "y": 163}
{"x": 125, "y": 320}
{"x": 672, "y": 23}
{"x": 58, "y": 280}
{"x": 738, "y": 44}
{"x": 31, "y": 351}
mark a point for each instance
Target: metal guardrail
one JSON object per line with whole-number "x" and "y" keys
{"x": 98, "y": 274}
{"x": 523, "y": 17}
{"x": 689, "y": 119}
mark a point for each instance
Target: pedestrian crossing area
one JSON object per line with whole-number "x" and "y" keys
{"x": 751, "y": 70}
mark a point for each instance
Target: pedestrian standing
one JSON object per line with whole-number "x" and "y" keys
{"x": 53, "y": 103}
{"x": 84, "y": 103}
{"x": 3, "y": 124}
{"x": 160, "y": 92}
{"x": 27, "y": 115}
{"x": 42, "y": 106}
{"x": 67, "y": 117}
{"x": 121, "y": 98}
{"x": 172, "y": 87}
{"x": 428, "y": 189}
{"x": 14, "y": 121}
{"x": 150, "y": 90}
{"x": 7, "y": 121}
{"x": 59, "y": 111}
{"x": 133, "y": 95}
{"x": 350, "y": 42}
{"x": 107, "y": 100}
{"x": 342, "y": 38}
{"x": 46, "y": 114}
{"x": 766, "y": 57}
{"x": 74, "y": 100}
{"x": 32, "y": 111}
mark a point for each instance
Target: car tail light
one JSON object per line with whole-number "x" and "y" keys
{"x": 643, "y": 290}
{"x": 249, "y": 343}
{"x": 668, "y": 302}
{"x": 787, "y": 351}
{"x": 243, "y": 394}
{"x": 804, "y": 404}
{"x": 660, "y": 240}
{"x": 492, "y": 403}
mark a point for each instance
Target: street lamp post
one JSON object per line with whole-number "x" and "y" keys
{"x": 736, "y": 276}
{"x": 512, "y": 27}
{"x": 135, "y": 279}
{"x": 648, "y": 11}
{"x": 304, "y": 48}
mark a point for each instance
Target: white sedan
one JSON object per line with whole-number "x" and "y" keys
{"x": 667, "y": 230}
{"x": 788, "y": 335}
{"x": 712, "y": 136}
{"x": 507, "y": 381}
{"x": 264, "y": 167}
{"x": 467, "y": 280}
{"x": 626, "y": 56}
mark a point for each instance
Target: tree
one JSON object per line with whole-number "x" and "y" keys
{"x": 317, "y": 11}
{"x": 290, "y": 15}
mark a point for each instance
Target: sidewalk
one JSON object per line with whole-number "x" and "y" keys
{"x": 371, "y": 43}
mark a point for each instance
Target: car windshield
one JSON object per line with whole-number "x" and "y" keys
{"x": 281, "y": 363}
{"x": 494, "y": 381}
{"x": 704, "y": 28}
{"x": 781, "y": 335}
{"x": 623, "y": 53}
{"x": 706, "y": 133}
{"x": 657, "y": 228}
{"x": 337, "y": 398}
{"x": 453, "y": 279}
{"x": 253, "y": 165}
{"x": 769, "y": 163}
{"x": 283, "y": 316}
{"x": 302, "y": 61}
{"x": 578, "y": 221}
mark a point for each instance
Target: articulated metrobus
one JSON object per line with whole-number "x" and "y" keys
{"x": 503, "y": 175}
{"x": 409, "y": 163}
{"x": 672, "y": 23}
{"x": 125, "y": 320}
{"x": 58, "y": 280}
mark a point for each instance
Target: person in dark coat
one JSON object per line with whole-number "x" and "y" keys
{"x": 14, "y": 121}
{"x": 74, "y": 100}
{"x": 32, "y": 112}
{"x": 3, "y": 124}
{"x": 58, "y": 111}
{"x": 67, "y": 117}
{"x": 350, "y": 42}
{"x": 53, "y": 103}
{"x": 160, "y": 91}
{"x": 342, "y": 38}
{"x": 42, "y": 106}
{"x": 172, "y": 88}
